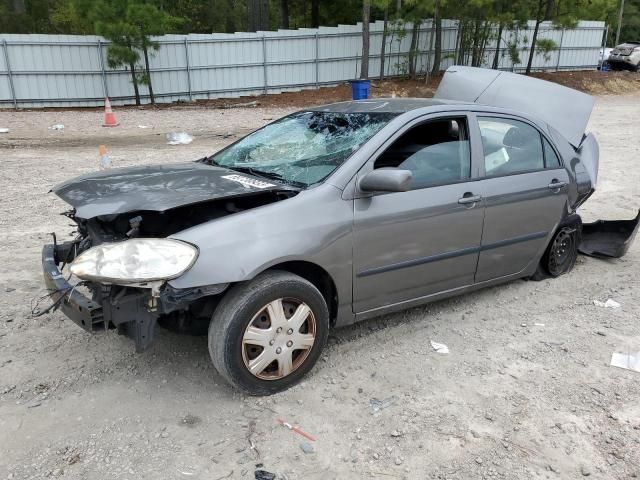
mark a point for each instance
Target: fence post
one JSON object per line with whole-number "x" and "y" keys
{"x": 186, "y": 55}
{"x": 317, "y": 61}
{"x": 264, "y": 63}
{"x": 105, "y": 89}
{"x": 560, "y": 50}
{"x": 6, "y": 61}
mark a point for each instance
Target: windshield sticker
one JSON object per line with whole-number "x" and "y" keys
{"x": 248, "y": 182}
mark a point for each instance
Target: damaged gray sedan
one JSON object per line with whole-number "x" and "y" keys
{"x": 333, "y": 215}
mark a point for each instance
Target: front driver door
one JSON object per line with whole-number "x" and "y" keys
{"x": 424, "y": 241}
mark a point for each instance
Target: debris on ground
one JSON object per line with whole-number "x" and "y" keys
{"x": 307, "y": 447}
{"x": 610, "y": 303}
{"x": 254, "y": 103}
{"x": 296, "y": 429}
{"x": 105, "y": 161}
{"x": 145, "y": 126}
{"x": 57, "y": 126}
{"x": 439, "y": 347}
{"x": 264, "y": 475}
{"x": 179, "y": 138}
{"x": 377, "y": 405}
{"x": 627, "y": 361}
{"x": 4, "y": 130}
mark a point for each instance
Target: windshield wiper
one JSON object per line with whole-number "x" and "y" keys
{"x": 269, "y": 175}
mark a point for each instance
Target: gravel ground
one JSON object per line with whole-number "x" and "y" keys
{"x": 525, "y": 392}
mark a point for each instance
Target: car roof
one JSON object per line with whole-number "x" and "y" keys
{"x": 384, "y": 105}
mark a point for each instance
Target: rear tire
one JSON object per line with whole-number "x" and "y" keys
{"x": 561, "y": 254}
{"x": 266, "y": 334}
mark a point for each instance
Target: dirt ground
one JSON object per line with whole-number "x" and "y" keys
{"x": 525, "y": 392}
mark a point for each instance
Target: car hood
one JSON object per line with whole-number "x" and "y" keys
{"x": 157, "y": 188}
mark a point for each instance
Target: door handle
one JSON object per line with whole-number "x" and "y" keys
{"x": 469, "y": 198}
{"x": 556, "y": 185}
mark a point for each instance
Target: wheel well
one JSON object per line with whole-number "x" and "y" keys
{"x": 319, "y": 277}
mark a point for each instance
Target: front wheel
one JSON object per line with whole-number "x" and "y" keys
{"x": 561, "y": 254}
{"x": 265, "y": 335}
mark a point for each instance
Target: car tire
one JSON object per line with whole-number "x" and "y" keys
{"x": 561, "y": 253}
{"x": 266, "y": 319}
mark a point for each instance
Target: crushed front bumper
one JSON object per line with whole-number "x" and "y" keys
{"x": 129, "y": 310}
{"x": 83, "y": 311}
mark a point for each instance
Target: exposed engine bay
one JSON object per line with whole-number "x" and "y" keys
{"x": 134, "y": 310}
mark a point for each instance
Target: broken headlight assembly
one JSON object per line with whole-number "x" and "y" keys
{"x": 136, "y": 260}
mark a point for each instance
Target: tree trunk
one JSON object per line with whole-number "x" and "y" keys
{"x": 315, "y": 13}
{"x": 437, "y": 54}
{"x": 230, "y": 20}
{"x": 265, "y": 23}
{"x": 364, "y": 65}
{"x": 19, "y": 7}
{"x": 539, "y": 19}
{"x": 284, "y": 14}
{"x": 398, "y": 7}
{"x": 532, "y": 51}
{"x": 252, "y": 15}
{"x": 134, "y": 80}
{"x": 383, "y": 47}
{"x": 415, "y": 30}
{"x": 460, "y": 32}
{"x": 475, "y": 47}
{"x": 496, "y": 57}
{"x": 146, "y": 66}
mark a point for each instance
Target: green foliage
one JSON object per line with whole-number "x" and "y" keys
{"x": 544, "y": 47}
{"x": 206, "y": 16}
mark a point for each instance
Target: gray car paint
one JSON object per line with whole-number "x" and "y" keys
{"x": 346, "y": 232}
{"x": 154, "y": 188}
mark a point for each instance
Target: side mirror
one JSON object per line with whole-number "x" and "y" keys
{"x": 386, "y": 180}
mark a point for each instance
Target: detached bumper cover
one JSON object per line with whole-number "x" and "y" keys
{"x": 81, "y": 310}
{"x": 608, "y": 238}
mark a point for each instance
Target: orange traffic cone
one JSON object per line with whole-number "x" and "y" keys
{"x": 109, "y": 117}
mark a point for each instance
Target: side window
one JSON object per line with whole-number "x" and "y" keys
{"x": 436, "y": 152}
{"x": 510, "y": 146}
{"x": 551, "y": 159}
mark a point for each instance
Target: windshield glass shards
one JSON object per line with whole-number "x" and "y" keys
{"x": 304, "y": 148}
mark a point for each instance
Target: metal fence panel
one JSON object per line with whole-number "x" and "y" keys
{"x": 73, "y": 70}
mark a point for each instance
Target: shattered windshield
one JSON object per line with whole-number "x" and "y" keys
{"x": 304, "y": 148}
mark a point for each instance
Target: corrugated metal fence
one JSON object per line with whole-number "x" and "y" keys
{"x": 70, "y": 70}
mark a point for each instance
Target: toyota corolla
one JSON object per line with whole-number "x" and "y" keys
{"x": 333, "y": 215}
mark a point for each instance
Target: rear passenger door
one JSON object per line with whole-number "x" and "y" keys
{"x": 525, "y": 192}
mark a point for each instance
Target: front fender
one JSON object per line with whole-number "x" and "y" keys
{"x": 314, "y": 226}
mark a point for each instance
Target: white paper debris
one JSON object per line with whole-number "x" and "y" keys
{"x": 440, "y": 347}
{"x": 538, "y": 324}
{"x": 628, "y": 361}
{"x": 4, "y": 130}
{"x": 145, "y": 126}
{"x": 608, "y": 304}
{"x": 57, "y": 126}
{"x": 179, "y": 138}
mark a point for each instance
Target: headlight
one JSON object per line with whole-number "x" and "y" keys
{"x": 136, "y": 260}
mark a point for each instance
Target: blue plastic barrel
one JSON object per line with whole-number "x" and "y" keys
{"x": 360, "y": 89}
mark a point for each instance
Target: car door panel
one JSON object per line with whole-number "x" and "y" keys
{"x": 412, "y": 244}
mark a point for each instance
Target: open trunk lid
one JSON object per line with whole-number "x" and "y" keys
{"x": 563, "y": 108}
